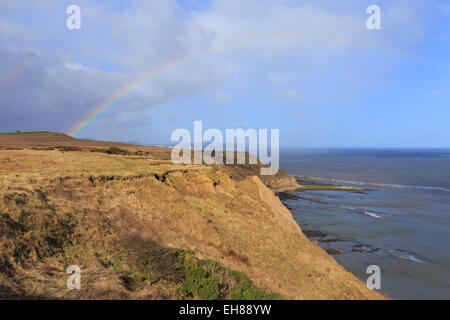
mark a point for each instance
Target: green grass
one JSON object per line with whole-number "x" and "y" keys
{"x": 208, "y": 280}
{"x": 199, "y": 283}
{"x": 247, "y": 291}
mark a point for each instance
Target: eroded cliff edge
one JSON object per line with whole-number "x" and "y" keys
{"x": 55, "y": 213}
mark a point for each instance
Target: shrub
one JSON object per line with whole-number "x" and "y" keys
{"x": 198, "y": 283}
{"x": 64, "y": 148}
{"x": 207, "y": 279}
{"x": 247, "y": 291}
{"x": 111, "y": 150}
{"x": 20, "y": 199}
{"x": 115, "y": 150}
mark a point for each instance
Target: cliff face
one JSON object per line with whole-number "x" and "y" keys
{"x": 91, "y": 210}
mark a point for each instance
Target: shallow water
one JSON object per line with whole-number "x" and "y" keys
{"x": 403, "y": 226}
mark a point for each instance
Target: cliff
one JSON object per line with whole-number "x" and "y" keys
{"x": 140, "y": 227}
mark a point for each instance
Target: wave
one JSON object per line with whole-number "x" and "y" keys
{"x": 405, "y": 256}
{"x": 366, "y": 212}
{"x": 372, "y": 214}
{"x": 386, "y": 185}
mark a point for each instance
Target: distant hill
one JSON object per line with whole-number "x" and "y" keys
{"x": 39, "y": 133}
{"x": 25, "y": 139}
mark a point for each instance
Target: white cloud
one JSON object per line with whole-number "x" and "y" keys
{"x": 436, "y": 93}
{"x": 277, "y": 78}
{"x": 288, "y": 95}
{"x": 73, "y": 66}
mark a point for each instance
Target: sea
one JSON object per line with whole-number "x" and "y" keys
{"x": 401, "y": 222}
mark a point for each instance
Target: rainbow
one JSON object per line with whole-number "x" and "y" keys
{"x": 127, "y": 90}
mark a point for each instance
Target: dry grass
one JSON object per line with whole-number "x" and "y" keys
{"x": 119, "y": 217}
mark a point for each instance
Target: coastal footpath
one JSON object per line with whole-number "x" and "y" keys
{"x": 140, "y": 227}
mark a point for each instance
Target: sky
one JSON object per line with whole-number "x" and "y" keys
{"x": 311, "y": 69}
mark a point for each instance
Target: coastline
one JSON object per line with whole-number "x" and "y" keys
{"x": 108, "y": 202}
{"x": 282, "y": 191}
{"x": 397, "y": 223}
{"x": 308, "y": 183}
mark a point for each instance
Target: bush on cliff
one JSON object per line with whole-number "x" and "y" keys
{"x": 200, "y": 284}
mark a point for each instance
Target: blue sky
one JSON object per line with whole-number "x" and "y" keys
{"x": 309, "y": 68}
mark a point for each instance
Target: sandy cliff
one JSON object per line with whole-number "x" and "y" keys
{"x": 102, "y": 212}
